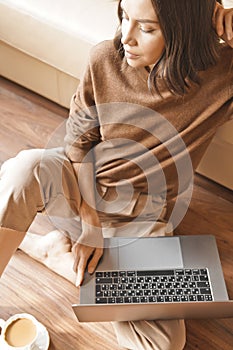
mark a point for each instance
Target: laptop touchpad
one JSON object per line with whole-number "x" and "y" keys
{"x": 147, "y": 253}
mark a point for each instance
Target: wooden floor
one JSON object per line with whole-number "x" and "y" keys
{"x": 29, "y": 121}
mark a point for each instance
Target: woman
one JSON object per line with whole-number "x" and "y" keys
{"x": 145, "y": 111}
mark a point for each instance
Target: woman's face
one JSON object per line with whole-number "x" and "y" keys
{"x": 142, "y": 38}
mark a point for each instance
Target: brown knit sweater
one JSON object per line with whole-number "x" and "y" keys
{"x": 153, "y": 141}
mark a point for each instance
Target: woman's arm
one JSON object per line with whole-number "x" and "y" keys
{"x": 82, "y": 134}
{"x": 89, "y": 248}
{"x": 223, "y": 22}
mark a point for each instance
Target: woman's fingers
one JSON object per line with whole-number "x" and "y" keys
{"x": 83, "y": 256}
{"x": 94, "y": 260}
{"x": 223, "y": 23}
{"x": 229, "y": 24}
{"x": 218, "y": 19}
{"x": 81, "y": 267}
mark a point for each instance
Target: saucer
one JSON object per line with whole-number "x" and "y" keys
{"x": 42, "y": 342}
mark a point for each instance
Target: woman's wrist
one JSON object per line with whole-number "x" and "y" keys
{"x": 91, "y": 236}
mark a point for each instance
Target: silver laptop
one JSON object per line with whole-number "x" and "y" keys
{"x": 155, "y": 278}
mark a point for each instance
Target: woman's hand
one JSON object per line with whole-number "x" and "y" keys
{"x": 87, "y": 252}
{"x": 223, "y": 23}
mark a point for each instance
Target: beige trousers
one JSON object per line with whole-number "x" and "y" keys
{"x": 43, "y": 181}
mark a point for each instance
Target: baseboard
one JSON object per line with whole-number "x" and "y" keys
{"x": 37, "y": 76}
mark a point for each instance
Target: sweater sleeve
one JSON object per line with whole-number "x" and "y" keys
{"x": 82, "y": 127}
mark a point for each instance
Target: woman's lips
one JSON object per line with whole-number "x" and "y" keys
{"x": 130, "y": 55}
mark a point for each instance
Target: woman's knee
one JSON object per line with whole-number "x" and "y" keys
{"x": 20, "y": 196}
{"x": 151, "y": 335}
{"x": 28, "y": 168}
{"x": 19, "y": 170}
{"x": 25, "y": 186}
{"x": 177, "y": 337}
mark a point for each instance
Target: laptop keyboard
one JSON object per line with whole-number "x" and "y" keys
{"x": 153, "y": 286}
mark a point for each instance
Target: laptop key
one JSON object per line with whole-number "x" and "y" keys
{"x": 105, "y": 286}
{"x": 115, "y": 293}
{"x": 136, "y": 300}
{"x": 192, "y": 285}
{"x": 204, "y": 278}
{"x": 103, "y": 280}
{"x": 179, "y": 291}
{"x": 119, "y": 300}
{"x": 131, "y": 293}
{"x": 144, "y": 300}
{"x": 107, "y": 274}
{"x": 184, "y": 298}
{"x": 176, "y": 299}
{"x": 171, "y": 292}
{"x": 168, "y": 299}
{"x": 147, "y": 292}
{"x": 155, "y": 273}
{"x": 101, "y": 300}
{"x": 107, "y": 293}
{"x": 201, "y": 297}
{"x": 163, "y": 292}
{"x": 140, "y": 279}
{"x": 114, "y": 273}
{"x": 132, "y": 280}
{"x": 111, "y": 300}
{"x": 128, "y": 300}
{"x": 155, "y": 292}
{"x": 187, "y": 291}
{"x": 195, "y": 291}
{"x": 205, "y": 291}
{"x": 139, "y": 292}
{"x": 184, "y": 285}
{"x": 99, "y": 274}
{"x": 121, "y": 286}
{"x": 122, "y": 273}
{"x": 122, "y": 293}
{"x": 129, "y": 286}
{"x": 131, "y": 273}
{"x": 99, "y": 294}
{"x": 179, "y": 278}
{"x": 160, "y": 299}
{"x": 203, "y": 284}
{"x": 152, "y": 299}
{"x": 196, "y": 278}
{"x": 187, "y": 278}
{"x": 171, "y": 279}
{"x": 98, "y": 288}
{"x": 156, "y": 278}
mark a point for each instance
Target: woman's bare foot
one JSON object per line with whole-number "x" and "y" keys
{"x": 53, "y": 250}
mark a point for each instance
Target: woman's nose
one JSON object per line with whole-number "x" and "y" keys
{"x": 128, "y": 34}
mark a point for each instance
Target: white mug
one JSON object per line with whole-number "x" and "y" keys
{"x": 19, "y": 332}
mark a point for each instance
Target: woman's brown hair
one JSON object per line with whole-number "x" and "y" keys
{"x": 191, "y": 43}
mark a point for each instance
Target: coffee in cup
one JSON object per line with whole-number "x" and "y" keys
{"x": 19, "y": 332}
